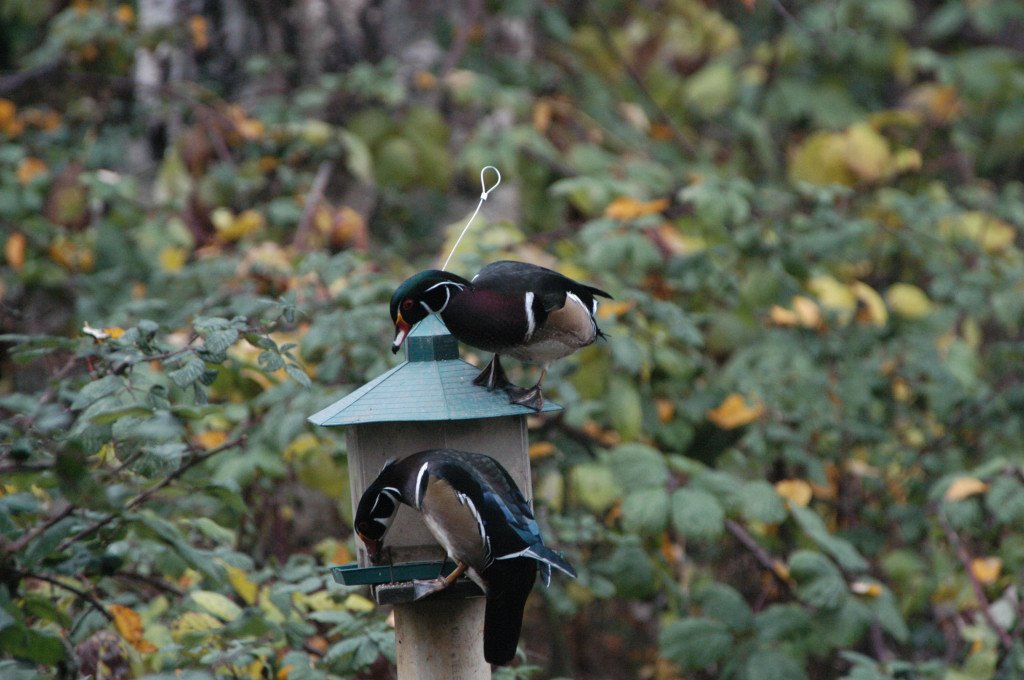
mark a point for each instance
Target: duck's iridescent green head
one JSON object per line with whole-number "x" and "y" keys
{"x": 427, "y": 292}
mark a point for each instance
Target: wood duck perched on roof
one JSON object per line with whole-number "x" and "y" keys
{"x": 474, "y": 509}
{"x": 517, "y": 309}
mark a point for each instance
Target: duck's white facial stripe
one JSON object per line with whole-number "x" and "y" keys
{"x": 531, "y": 322}
{"x": 447, "y": 295}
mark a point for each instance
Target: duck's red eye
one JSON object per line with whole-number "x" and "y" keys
{"x": 407, "y": 304}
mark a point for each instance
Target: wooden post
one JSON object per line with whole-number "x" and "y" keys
{"x": 429, "y": 402}
{"x": 441, "y": 640}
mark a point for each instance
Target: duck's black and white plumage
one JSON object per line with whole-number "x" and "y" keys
{"x": 474, "y": 509}
{"x": 510, "y": 308}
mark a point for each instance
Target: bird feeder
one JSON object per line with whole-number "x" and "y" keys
{"x": 428, "y": 401}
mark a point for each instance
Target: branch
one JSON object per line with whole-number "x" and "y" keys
{"x": 677, "y": 135}
{"x": 316, "y": 193}
{"x": 71, "y": 589}
{"x": 148, "y": 493}
{"x": 30, "y": 536}
{"x": 765, "y": 558}
{"x": 979, "y": 591}
{"x": 15, "y": 468}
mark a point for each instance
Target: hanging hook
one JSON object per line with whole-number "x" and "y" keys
{"x": 485, "y": 192}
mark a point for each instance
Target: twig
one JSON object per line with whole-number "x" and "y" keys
{"x": 30, "y": 536}
{"x": 15, "y": 468}
{"x": 148, "y": 493}
{"x": 659, "y": 111}
{"x": 10, "y": 82}
{"x": 153, "y": 581}
{"x": 979, "y": 591}
{"x": 765, "y": 558}
{"x": 313, "y": 198}
{"x": 71, "y": 589}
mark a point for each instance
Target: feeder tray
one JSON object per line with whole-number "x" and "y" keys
{"x": 393, "y": 584}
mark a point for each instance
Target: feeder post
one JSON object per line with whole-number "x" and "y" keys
{"x": 427, "y": 402}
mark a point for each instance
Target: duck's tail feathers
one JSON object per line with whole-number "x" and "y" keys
{"x": 509, "y": 586}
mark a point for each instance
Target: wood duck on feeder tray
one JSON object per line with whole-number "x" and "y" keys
{"x": 474, "y": 509}
{"x": 517, "y": 309}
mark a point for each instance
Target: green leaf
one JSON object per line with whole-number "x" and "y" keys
{"x": 695, "y": 642}
{"x": 781, "y": 622}
{"x": 722, "y": 602}
{"x": 31, "y": 645}
{"x": 772, "y": 665}
{"x": 188, "y": 373}
{"x": 625, "y": 411}
{"x": 645, "y": 511}
{"x": 595, "y": 486}
{"x": 298, "y": 375}
{"x": 113, "y": 415}
{"x": 638, "y": 466}
{"x": 889, "y": 617}
{"x": 171, "y": 535}
{"x": 839, "y": 548}
{"x": 697, "y": 514}
{"x": 760, "y": 503}
{"x": 819, "y": 582}
{"x": 1005, "y": 500}
{"x": 96, "y": 390}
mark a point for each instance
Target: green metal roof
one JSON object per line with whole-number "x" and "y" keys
{"x": 432, "y": 384}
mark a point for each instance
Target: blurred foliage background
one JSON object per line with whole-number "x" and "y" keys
{"x": 799, "y": 455}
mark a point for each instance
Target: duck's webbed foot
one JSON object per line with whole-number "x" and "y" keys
{"x": 529, "y": 397}
{"x": 493, "y": 376}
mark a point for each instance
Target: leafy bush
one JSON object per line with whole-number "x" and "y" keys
{"x": 798, "y": 455}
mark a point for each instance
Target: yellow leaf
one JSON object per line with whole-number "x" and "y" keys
{"x": 867, "y": 153}
{"x": 965, "y": 487}
{"x": 305, "y": 443}
{"x": 666, "y": 410}
{"x": 29, "y": 169}
{"x": 628, "y": 208}
{"x": 321, "y": 600}
{"x": 358, "y": 603}
{"x": 239, "y": 580}
{"x": 199, "y": 30}
{"x": 210, "y": 439}
{"x": 215, "y": 603}
{"x": 127, "y": 622}
{"x": 193, "y": 622}
{"x": 834, "y": 296}
{"x": 14, "y": 250}
{"x": 614, "y": 308}
{"x": 125, "y": 14}
{"x": 940, "y": 104}
{"x": 8, "y": 112}
{"x": 234, "y": 228}
{"x": 425, "y": 80}
{"x": 541, "y": 450}
{"x": 821, "y": 159}
{"x": 991, "y": 233}
{"x": 173, "y": 258}
{"x": 735, "y": 412}
{"x": 796, "y": 491}
{"x": 805, "y": 313}
{"x": 986, "y": 570}
{"x": 873, "y": 310}
{"x": 270, "y": 610}
{"x": 908, "y": 301}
